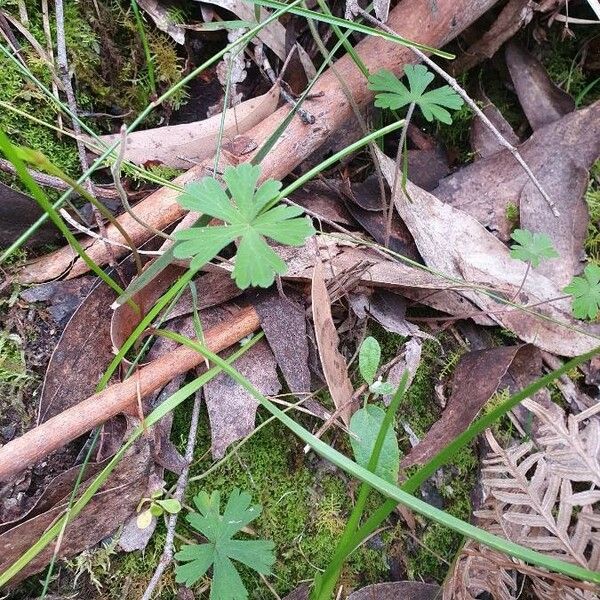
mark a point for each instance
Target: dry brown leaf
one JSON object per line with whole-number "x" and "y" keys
{"x": 18, "y": 212}
{"x": 333, "y": 363}
{"x": 454, "y": 243}
{"x": 483, "y": 142}
{"x": 543, "y": 102}
{"x": 231, "y": 409}
{"x": 516, "y": 14}
{"x": 397, "y": 590}
{"x": 560, "y": 155}
{"x": 475, "y": 380}
{"x": 115, "y": 501}
{"x": 187, "y": 144}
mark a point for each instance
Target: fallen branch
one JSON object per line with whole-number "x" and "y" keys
{"x": 445, "y": 19}
{"x": 121, "y": 397}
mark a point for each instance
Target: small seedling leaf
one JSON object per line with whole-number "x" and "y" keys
{"x": 368, "y": 359}
{"x": 364, "y": 426}
{"x": 249, "y": 218}
{"x": 393, "y": 94}
{"x": 532, "y": 247}
{"x": 222, "y": 549}
{"x": 170, "y": 505}
{"x": 586, "y": 293}
{"x": 144, "y": 519}
{"x": 381, "y": 388}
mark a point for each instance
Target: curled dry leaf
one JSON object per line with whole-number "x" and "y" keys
{"x": 542, "y": 101}
{"x": 332, "y": 361}
{"x": 454, "y": 243}
{"x": 182, "y": 146}
{"x": 475, "y": 380}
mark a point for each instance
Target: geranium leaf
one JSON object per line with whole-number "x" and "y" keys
{"x": 249, "y": 217}
{"x": 195, "y": 559}
{"x": 532, "y": 247}
{"x": 586, "y": 293}
{"x": 393, "y": 94}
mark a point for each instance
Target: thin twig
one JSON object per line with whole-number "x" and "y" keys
{"x": 54, "y": 182}
{"x": 48, "y": 35}
{"x": 116, "y": 174}
{"x": 63, "y": 70}
{"x": 263, "y": 61}
{"x": 79, "y": 227}
{"x": 473, "y": 106}
{"x": 399, "y": 158}
{"x": 167, "y": 556}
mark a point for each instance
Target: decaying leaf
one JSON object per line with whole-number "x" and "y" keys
{"x": 396, "y": 590}
{"x": 81, "y": 355}
{"x": 560, "y": 155}
{"x": 284, "y": 322}
{"x": 332, "y": 361}
{"x": 483, "y": 142}
{"x": 516, "y": 14}
{"x": 115, "y": 501}
{"x": 182, "y": 146}
{"x": 454, "y": 243}
{"x": 475, "y": 380}
{"x": 543, "y": 102}
{"x": 17, "y": 212}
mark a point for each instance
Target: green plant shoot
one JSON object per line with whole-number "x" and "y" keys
{"x": 532, "y": 248}
{"x": 586, "y": 293}
{"x": 393, "y": 94}
{"x": 250, "y": 215}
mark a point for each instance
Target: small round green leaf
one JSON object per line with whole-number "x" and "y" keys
{"x": 368, "y": 359}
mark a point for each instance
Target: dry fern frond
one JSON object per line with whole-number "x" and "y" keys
{"x": 478, "y": 570}
{"x": 544, "y": 495}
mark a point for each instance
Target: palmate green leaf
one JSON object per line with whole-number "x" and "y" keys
{"x": 221, "y": 549}
{"x": 365, "y": 425}
{"x": 586, "y": 293}
{"x": 393, "y": 94}
{"x": 249, "y": 219}
{"x": 532, "y": 247}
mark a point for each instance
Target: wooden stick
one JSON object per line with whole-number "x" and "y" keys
{"x": 431, "y": 23}
{"x": 95, "y": 410}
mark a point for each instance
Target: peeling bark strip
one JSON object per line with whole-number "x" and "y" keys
{"x": 424, "y": 21}
{"x": 77, "y": 420}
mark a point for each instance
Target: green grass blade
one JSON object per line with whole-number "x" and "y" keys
{"x": 357, "y": 27}
{"x": 394, "y": 492}
{"x": 158, "y": 413}
{"x": 38, "y": 194}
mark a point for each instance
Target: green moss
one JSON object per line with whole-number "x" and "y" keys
{"x": 512, "y": 214}
{"x": 592, "y": 197}
{"x": 109, "y": 69}
{"x": 562, "y": 59}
